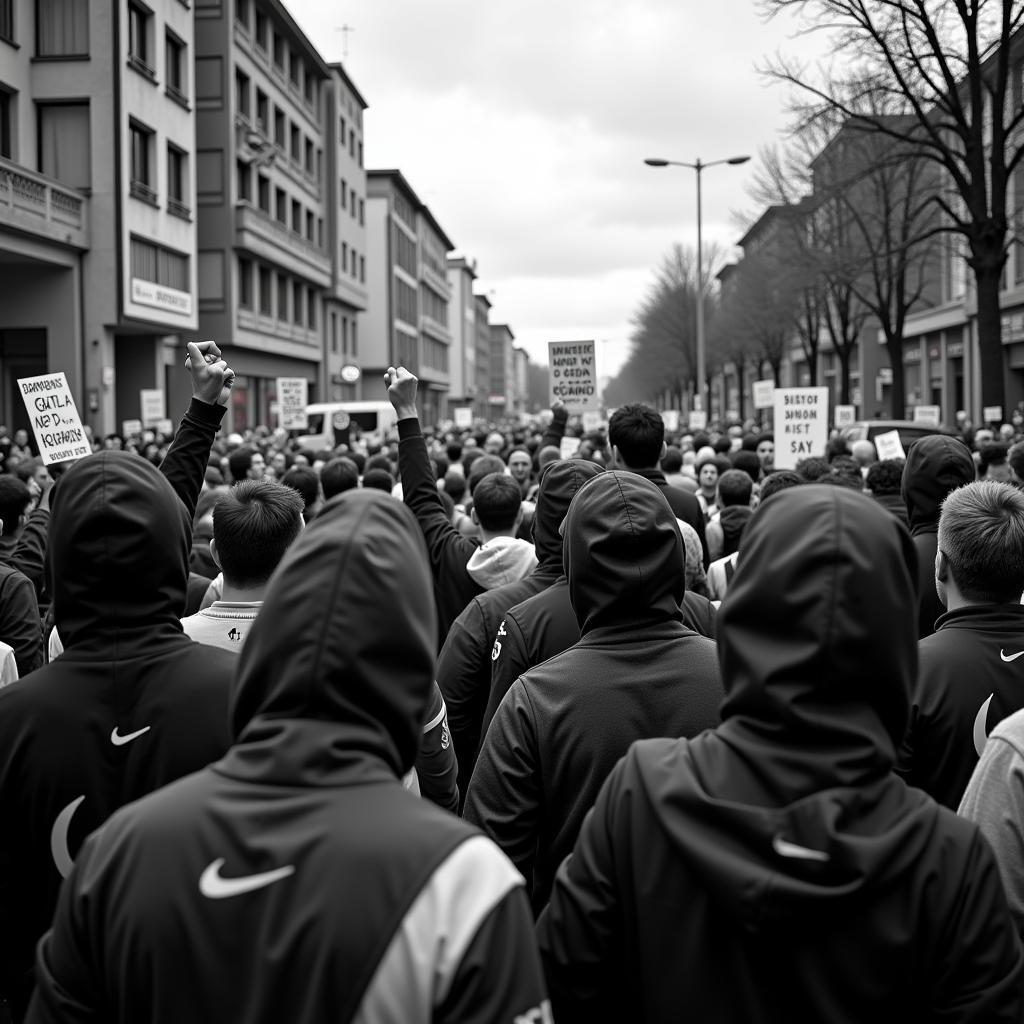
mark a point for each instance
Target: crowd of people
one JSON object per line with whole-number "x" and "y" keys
{"x": 510, "y": 725}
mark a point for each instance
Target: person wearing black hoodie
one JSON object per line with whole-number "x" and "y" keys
{"x": 296, "y": 880}
{"x": 132, "y": 703}
{"x": 464, "y": 665}
{"x": 936, "y": 464}
{"x": 636, "y": 671}
{"x": 776, "y": 869}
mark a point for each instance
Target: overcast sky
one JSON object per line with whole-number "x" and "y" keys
{"x": 523, "y": 125}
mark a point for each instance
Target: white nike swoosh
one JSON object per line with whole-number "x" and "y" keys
{"x": 62, "y": 860}
{"x": 1011, "y": 657}
{"x": 787, "y": 849}
{"x": 980, "y": 721}
{"x": 120, "y": 741}
{"x": 214, "y": 887}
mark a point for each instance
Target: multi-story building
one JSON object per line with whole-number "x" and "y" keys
{"x": 97, "y": 201}
{"x": 462, "y": 356}
{"x": 409, "y": 294}
{"x": 482, "y": 317}
{"x": 502, "y": 375}
{"x": 520, "y": 381}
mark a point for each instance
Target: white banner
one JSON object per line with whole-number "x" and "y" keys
{"x": 801, "y": 424}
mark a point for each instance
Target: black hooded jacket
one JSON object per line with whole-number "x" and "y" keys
{"x": 464, "y": 665}
{"x": 296, "y": 879}
{"x": 636, "y": 671}
{"x": 936, "y": 464}
{"x": 131, "y": 704}
{"x": 775, "y": 869}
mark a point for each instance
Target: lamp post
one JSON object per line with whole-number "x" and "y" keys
{"x": 698, "y": 166}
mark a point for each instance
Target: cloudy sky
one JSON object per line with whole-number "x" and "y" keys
{"x": 523, "y": 125}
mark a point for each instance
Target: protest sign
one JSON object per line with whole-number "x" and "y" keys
{"x": 889, "y": 445}
{"x": 464, "y": 417}
{"x": 928, "y": 414}
{"x": 569, "y": 447}
{"x": 992, "y": 414}
{"x": 151, "y": 406}
{"x": 130, "y": 427}
{"x": 801, "y": 424}
{"x": 165, "y": 426}
{"x": 573, "y": 374}
{"x": 293, "y": 397}
{"x": 845, "y": 415}
{"x": 591, "y": 420}
{"x": 764, "y": 392}
{"x": 670, "y": 417}
{"x": 55, "y": 422}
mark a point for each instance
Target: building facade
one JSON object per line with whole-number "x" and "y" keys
{"x": 462, "y": 356}
{"x": 501, "y": 385}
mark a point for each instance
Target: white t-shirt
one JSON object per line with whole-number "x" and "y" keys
{"x": 224, "y": 624}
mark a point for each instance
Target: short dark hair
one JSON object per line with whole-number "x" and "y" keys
{"x": 638, "y": 431}
{"x": 379, "y": 479}
{"x": 455, "y": 486}
{"x": 14, "y": 499}
{"x": 1015, "y": 456}
{"x": 239, "y": 462}
{"x": 735, "y": 487}
{"x": 379, "y": 461}
{"x": 885, "y": 476}
{"x": 484, "y": 466}
{"x": 780, "y": 480}
{"x": 992, "y": 454}
{"x": 747, "y": 462}
{"x": 306, "y": 482}
{"x": 496, "y": 501}
{"x": 454, "y": 451}
{"x": 846, "y": 469}
{"x": 253, "y": 524}
{"x": 338, "y": 475}
{"x": 672, "y": 460}
{"x": 813, "y": 468}
{"x": 359, "y": 459}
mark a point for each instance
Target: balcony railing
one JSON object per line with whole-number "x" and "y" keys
{"x": 33, "y": 203}
{"x": 303, "y": 256}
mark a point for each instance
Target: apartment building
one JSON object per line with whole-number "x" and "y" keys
{"x": 482, "y": 316}
{"x": 463, "y": 354}
{"x": 501, "y": 385}
{"x": 97, "y": 201}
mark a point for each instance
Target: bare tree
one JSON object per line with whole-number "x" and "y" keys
{"x": 946, "y": 67}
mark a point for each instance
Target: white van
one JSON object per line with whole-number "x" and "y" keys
{"x": 329, "y": 424}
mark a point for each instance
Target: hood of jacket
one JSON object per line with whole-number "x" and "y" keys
{"x": 936, "y": 464}
{"x": 623, "y": 554}
{"x": 501, "y": 560}
{"x": 118, "y": 550}
{"x": 559, "y": 481}
{"x": 790, "y": 808}
{"x": 345, "y": 638}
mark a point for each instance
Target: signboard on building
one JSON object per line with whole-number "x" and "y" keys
{"x": 889, "y": 445}
{"x": 464, "y": 417}
{"x": 928, "y": 414}
{"x": 845, "y": 416}
{"x": 292, "y": 397}
{"x": 764, "y": 394}
{"x": 801, "y": 424}
{"x": 573, "y": 374}
{"x": 55, "y": 421}
{"x": 151, "y": 406}
{"x": 170, "y": 299}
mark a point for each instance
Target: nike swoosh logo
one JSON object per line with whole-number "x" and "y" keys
{"x": 980, "y": 721}
{"x": 1010, "y": 657}
{"x": 214, "y": 887}
{"x": 62, "y": 859}
{"x": 119, "y": 740}
{"x": 794, "y": 852}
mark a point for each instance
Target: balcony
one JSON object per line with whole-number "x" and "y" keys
{"x": 259, "y": 233}
{"x": 39, "y": 206}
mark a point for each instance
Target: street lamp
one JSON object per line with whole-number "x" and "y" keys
{"x": 698, "y": 166}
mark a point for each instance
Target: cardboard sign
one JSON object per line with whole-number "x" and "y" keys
{"x": 293, "y": 397}
{"x": 889, "y": 445}
{"x": 928, "y": 414}
{"x": 592, "y": 421}
{"x": 151, "y": 405}
{"x": 165, "y": 427}
{"x": 130, "y": 428}
{"x": 992, "y": 414}
{"x": 764, "y": 394}
{"x": 698, "y": 419}
{"x": 55, "y": 421}
{"x": 845, "y": 416}
{"x": 670, "y": 417}
{"x": 463, "y": 417}
{"x": 569, "y": 447}
{"x": 801, "y": 424}
{"x": 573, "y": 374}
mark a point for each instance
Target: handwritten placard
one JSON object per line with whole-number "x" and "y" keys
{"x": 55, "y": 422}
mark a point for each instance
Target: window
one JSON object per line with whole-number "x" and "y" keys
{"x": 262, "y": 111}
{"x": 310, "y": 84}
{"x": 344, "y": 257}
{"x": 310, "y": 224}
{"x": 282, "y": 297}
{"x": 62, "y": 28}
{"x": 281, "y": 205}
{"x": 311, "y": 309}
{"x": 64, "y": 143}
{"x": 353, "y": 200}
{"x": 309, "y": 156}
{"x": 294, "y": 68}
{"x": 343, "y": 130}
{"x": 261, "y": 29}
{"x": 344, "y": 194}
{"x": 296, "y": 146}
{"x": 242, "y": 93}
{"x": 362, "y": 213}
{"x": 139, "y": 20}
{"x": 242, "y": 12}
{"x": 263, "y": 194}
{"x": 278, "y": 51}
{"x": 174, "y": 73}
{"x": 177, "y": 182}
{"x": 141, "y": 156}
{"x": 6, "y": 118}
{"x": 355, "y": 338}
{"x": 159, "y": 265}
{"x": 360, "y": 154}
{"x": 7, "y": 20}
{"x": 297, "y": 295}
{"x": 362, "y": 269}
{"x": 243, "y": 172}
{"x": 266, "y": 297}
{"x": 351, "y": 142}
{"x": 296, "y": 216}
{"x": 245, "y": 283}
{"x": 279, "y": 129}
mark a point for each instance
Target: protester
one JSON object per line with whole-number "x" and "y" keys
{"x": 735, "y": 488}
{"x": 337, "y": 476}
{"x": 19, "y": 619}
{"x": 132, "y": 703}
{"x": 969, "y": 670}
{"x": 296, "y": 880}
{"x": 636, "y": 671}
{"x": 246, "y": 463}
{"x": 306, "y": 482}
{"x": 883, "y": 481}
{"x": 774, "y": 868}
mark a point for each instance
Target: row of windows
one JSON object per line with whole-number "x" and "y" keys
{"x": 275, "y": 293}
{"x": 432, "y": 305}
{"x": 279, "y": 204}
{"x": 406, "y": 351}
{"x": 158, "y": 264}
{"x": 62, "y": 27}
{"x": 355, "y": 145}
{"x": 352, "y": 202}
{"x": 403, "y": 250}
{"x": 349, "y": 336}
{"x": 435, "y": 354}
{"x": 405, "y": 301}
{"x": 288, "y": 136}
{"x": 254, "y": 18}
{"x": 352, "y": 264}
{"x": 142, "y": 148}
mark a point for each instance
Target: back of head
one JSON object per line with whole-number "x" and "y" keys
{"x": 549, "y": 453}
{"x": 346, "y": 634}
{"x": 885, "y": 477}
{"x": 455, "y": 486}
{"x": 845, "y": 470}
{"x": 483, "y": 466}
{"x": 306, "y": 483}
{"x": 14, "y": 499}
{"x": 735, "y": 488}
{"x": 981, "y": 533}
{"x": 672, "y": 460}
{"x": 780, "y": 480}
{"x": 253, "y": 525}
{"x": 638, "y": 432}
{"x": 559, "y": 482}
{"x": 623, "y": 554}
{"x": 813, "y": 468}
{"x": 747, "y": 462}
{"x": 936, "y": 465}
{"x": 338, "y": 475}
{"x": 379, "y": 480}
{"x": 379, "y": 461}
{"x": 496, "y": 502}
{"x": 239, "y": 462}
{"x": 992, "y": 454}
{"x": 817, "y": 633}
{"x": 1015, "y": 456}
{"x": 864, "y": 452}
